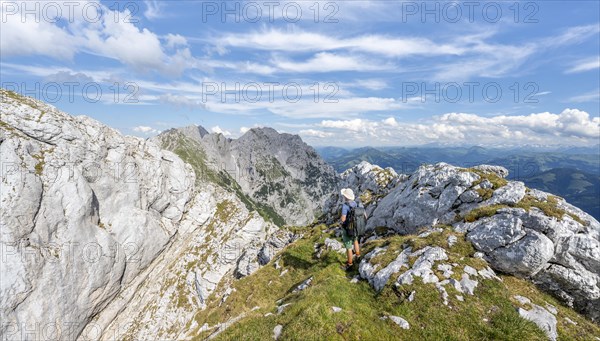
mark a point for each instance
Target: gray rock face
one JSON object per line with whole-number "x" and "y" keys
{"x": 370, "y": 184}
{"x": 561, "y": 255}
{"x": 276, "y": 170}
{"x": 303, "y": 285}
{"x": 84, "y": 211}
{"x": 489, "y": 234}
{"x": 89, "y": 215}
{"x": 426, "y": 198}
{"x": 467, "y": 284}
{"x": 365, "y": 268}
{"x": 378, "y": 276}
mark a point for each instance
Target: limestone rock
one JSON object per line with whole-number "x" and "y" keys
{"x": 382, "y": 276}
{"x": 365, "y": 268}
{"x": 303, "y": 285}
{"x": 402, "y": 323}
{"x": 542, "y": 318}
{"x": 423, "y": 265}
{"x": 281, "y": 308}
{"x": 108, "y": 212}
{"x": 85, "y": 209}
{"x": 277, "y": 331}
{"x": 335, "y": 245}
{"x": 560, "y": 254}
{"x": 468, "y": 284}
{"x": 274, "y": 244}
{"x": 424, "y": 199}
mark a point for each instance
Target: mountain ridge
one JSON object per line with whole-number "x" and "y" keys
{"x": 204, "y": 245}
{"x": 277, "y": 170}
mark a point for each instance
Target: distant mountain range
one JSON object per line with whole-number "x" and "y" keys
{"x": 571, "y": 172}
{"x": 577, "y": 187}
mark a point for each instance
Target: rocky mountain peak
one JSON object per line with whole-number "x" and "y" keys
{"x": 277, "y": 171}
{"x": 193, "y": 131}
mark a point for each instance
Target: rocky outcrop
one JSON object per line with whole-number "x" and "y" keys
{"x": 276, "y": 170}
{"x": 274, "y": 244}
{"x": 370, "y": 184}
{"x": 85, "y": 210}
{"x": 220, "y": 245}
{"x": 523, "y": 232}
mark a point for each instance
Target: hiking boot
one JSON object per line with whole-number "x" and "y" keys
{"x": 347, "y": 266}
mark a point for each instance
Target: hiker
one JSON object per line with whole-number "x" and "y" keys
{"x": 352, "y": 224}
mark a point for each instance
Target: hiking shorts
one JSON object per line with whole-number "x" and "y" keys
{"x": 348, "y": 241}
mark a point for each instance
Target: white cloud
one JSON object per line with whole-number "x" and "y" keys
{"x": 572, "y": 35}
{"x": 244, "y": 130}
{"x": 570, "y": 127}
{"x": 352, "y": 125}
{"x": 478, "y": 57}
{"x": 314, "y": 133}
{"x": 373, "y": 84}
{"x": 330, "y": 62}
{"x": 591, "y": 96}
{"x": 175, "y": 40}
{"x": 302, "y": 41}
{"x": 28, "y": 37}
{"x": 586, "y": 64}
{"x": 307, "y": 108}
{"x": 218, "y": 130}
{"x": 487, "y": 61}
{"x": 390, "y": 122}
{"x": 145, "y": 130}
{"x": 122, "y": 40}
{"x": 181, "y": 101}
{"x": 153, "y": 10}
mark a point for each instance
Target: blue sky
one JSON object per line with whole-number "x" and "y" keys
{"x": 369, "y": 72}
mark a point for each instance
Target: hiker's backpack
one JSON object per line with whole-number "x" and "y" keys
{"x": 356, "y": 221}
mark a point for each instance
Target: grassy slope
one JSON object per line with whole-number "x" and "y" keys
{"x": 489, "y": 315}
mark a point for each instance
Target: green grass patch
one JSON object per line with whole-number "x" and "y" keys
{"x": 549, "y": 207}
{"x": 485, "y": 211}
{"x": 39, "y": 166}
{"x": 487, "y": 316}
{"x": 494, "y": 179}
